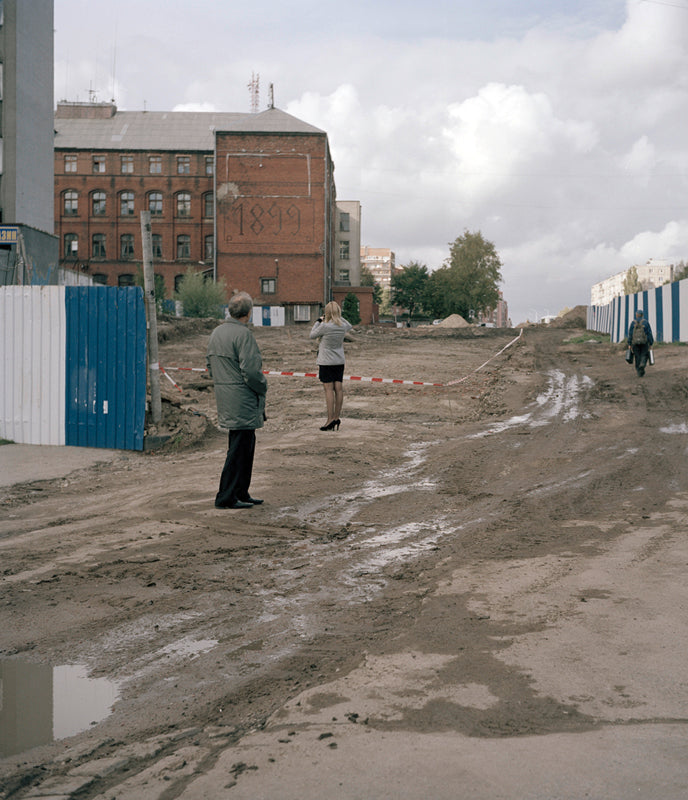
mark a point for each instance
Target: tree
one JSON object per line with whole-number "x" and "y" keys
{"x": 468, "y": 283}
{"x": 680, "y": 271}
{"x": 409, "y": 286}
{"x": 201, "y": 297}
{"x": 350, "y": 309}
{"x": 368, "y": 279}
{"x": 158, "y": 287}
{"x": 631, "y": 283}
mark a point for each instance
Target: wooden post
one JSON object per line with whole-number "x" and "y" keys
{"x": 151, "y": 317}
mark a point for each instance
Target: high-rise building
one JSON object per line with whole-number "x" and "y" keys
{"x": 26, "y": 142}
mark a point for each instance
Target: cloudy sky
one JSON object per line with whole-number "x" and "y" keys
{"x": 557, "y": 128}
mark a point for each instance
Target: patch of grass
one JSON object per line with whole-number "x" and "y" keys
{"x": 6, "y": 441}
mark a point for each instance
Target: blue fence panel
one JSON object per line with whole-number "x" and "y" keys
{"x": 105, "y": 367}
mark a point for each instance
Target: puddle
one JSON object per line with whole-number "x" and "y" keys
{"x": 680, "y": 427}
{"x": 40, "y": 703}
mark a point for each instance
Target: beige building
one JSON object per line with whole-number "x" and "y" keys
{"x": 379, "y": 261}
{"x": 347, "y": 252}
{"x": 651, "y": 274}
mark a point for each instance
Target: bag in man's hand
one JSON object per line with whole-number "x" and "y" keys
{"x": 629, "y": 355}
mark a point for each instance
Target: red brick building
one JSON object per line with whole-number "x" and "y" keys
{"x": 248, "y": 198}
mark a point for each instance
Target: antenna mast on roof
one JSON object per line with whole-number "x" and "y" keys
{"x": 254, "y": 90}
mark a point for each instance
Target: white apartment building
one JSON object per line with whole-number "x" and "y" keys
{"x": 652, "y": 274}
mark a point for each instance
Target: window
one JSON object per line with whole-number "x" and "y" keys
{"x": 126, "y": 204}
{"x": 344, "y": 221}
{"x": 98, "y": 204}
{"x": 183, "y": 246}
{"x": 208, "y": 204}
{"x": 98, "y": 245}
{"x": 344, "y": 276}
{"x": 268, "y": 285}
{"x": 344, "y": 250}
{"x": 155, "y": 165}
{"x": 127, "y": 165}
{"x": 157, "y": 245}
{"x": 209, "y": 165}
{"x": 71, "y": 245}
{"x": 70, "y": 163}
{"x": 126, "y": 246}
{"x": 178, "y": 282}
{"x": 126, "y": 279}
{"x": 100, "y": 278}
{"x": 183, "y": 204}
{"x": 302, "y": 313}
{"x": 209, "y": 247}
{"x": 183, "y": 165}
{"x": 98, "y": 163}
{"x": 71, "y": 203}
{"x": 155, "y": 204}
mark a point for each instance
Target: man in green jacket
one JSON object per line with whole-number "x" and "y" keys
{"x": 236, "y": 367}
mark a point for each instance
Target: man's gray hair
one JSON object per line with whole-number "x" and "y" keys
{"x": 240, "y": 305}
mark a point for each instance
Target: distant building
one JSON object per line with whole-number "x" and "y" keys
{"x": 380, "y": 262}
{"x": 498, "y": 317}
{"x": 26, "y": 142}
{"x": 248, "y": 198}
{"x": 651, "y": 274}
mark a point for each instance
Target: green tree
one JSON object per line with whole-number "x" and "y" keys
{"x": 158, "y": 287}
{"x": 368, "y": 279}
{"x": 200, "y": 297}
{"x": 631, "y": 282}
{"x": 680, "y": 271}
{"x": 409, "y": 287}
{"x": 351, "y": 309}
{"x": 468, "y": 283}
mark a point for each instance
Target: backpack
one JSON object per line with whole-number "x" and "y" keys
{"x": 639, "y": 334}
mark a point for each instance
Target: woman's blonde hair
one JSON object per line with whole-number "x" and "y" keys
{"x": 333, "y": 313}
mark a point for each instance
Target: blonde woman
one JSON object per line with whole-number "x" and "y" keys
{"x": 332, "y": 329}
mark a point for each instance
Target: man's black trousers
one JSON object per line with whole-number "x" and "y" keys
{"x": 236, "y": 473}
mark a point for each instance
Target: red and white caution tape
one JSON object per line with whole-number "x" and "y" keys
{"x": 397, "y": 381}
{"x": 466, "y": 377}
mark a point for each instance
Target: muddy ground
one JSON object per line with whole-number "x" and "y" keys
{"x": 521, "y": 532}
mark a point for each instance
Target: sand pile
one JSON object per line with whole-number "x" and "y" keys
{"x": 454, "y": 321}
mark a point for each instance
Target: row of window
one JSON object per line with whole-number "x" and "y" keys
{"x": 129, "y": 279}
{"x": 126, "y": 246}
{"x": 154, "y": 201}
{"x": 126, "y": 164}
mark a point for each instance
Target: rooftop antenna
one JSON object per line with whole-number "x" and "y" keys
{"x": 254, "y": 90}
{"x": 271, "y": 102}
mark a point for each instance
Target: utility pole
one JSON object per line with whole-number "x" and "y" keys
{"x": 151, "y": 317}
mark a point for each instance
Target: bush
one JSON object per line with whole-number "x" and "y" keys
{"x": 158, "y": 286}
{"x": 201, "y": 297}
{"x": 350, "y": 309}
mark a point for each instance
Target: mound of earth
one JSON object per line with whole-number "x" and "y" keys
{"x": 453, "y": 321}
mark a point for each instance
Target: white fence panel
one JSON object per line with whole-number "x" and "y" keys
{"x": 32, "y": 391}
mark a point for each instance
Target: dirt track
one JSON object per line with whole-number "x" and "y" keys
{"x": 519, "y": 535}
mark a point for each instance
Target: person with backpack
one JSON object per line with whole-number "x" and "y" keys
{"x": 640, "y": 340}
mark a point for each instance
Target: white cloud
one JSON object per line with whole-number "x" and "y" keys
{"x": 556, "y": 129}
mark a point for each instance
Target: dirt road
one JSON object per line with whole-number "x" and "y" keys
{"x": 474, "y": 590}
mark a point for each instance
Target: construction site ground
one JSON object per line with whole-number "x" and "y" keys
{"x": 471, "y": 590}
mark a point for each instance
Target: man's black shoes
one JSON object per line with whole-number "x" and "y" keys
{"x": 235, "y": 504}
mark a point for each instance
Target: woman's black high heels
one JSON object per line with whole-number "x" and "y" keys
{"x": 332, "y": 426}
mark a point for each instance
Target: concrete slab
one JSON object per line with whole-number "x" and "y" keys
{"x": 20, "y": 463}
